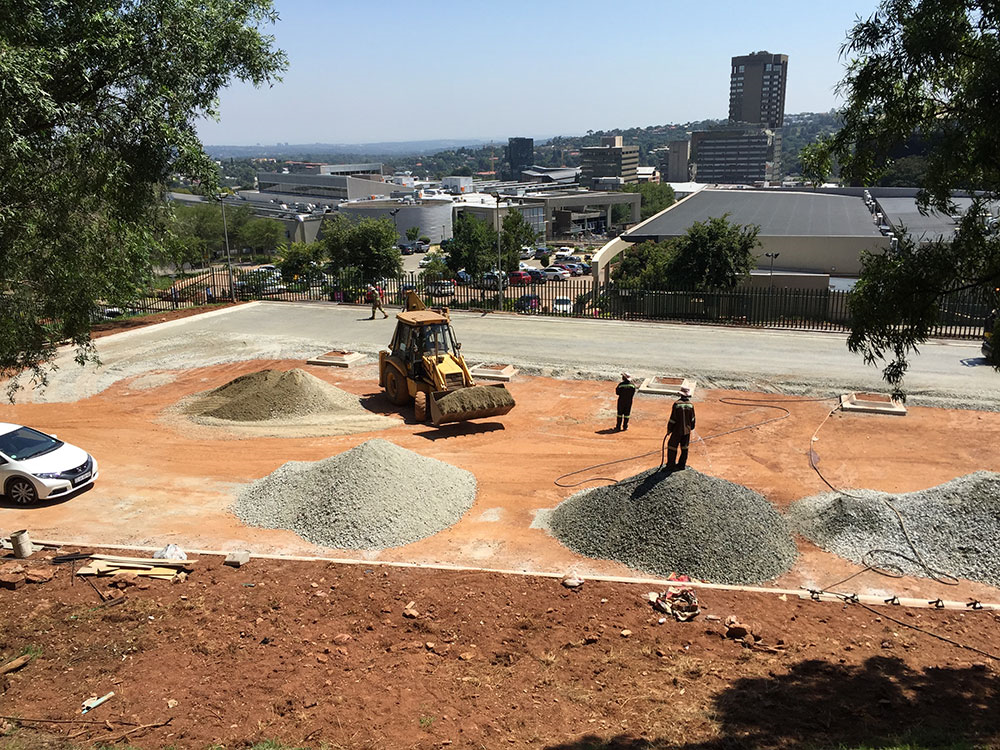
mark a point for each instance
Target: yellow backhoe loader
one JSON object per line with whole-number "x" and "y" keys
{"x": 424, "y": 364}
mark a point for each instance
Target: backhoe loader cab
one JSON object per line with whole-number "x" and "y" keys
{"x": 424, "y": 364}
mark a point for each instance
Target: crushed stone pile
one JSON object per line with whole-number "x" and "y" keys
{"x": 473, "y": 399}
{"x": 274, "y": 394}
{"x": 683, "y": 522}
{"x": 955, "y": 527}
{"x": 374, "y": 496}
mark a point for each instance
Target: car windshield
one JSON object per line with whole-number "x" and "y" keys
{"x": 24, "y": 443}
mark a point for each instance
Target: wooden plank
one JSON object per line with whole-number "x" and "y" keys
{"x": 15, "y": 664}
{"x": 145, "y": 561}
{"x": 157, "y": 572}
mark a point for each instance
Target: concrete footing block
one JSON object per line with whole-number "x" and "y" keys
{"x": 871, "y": 403}
{"x": 662, "y": 385}
{"x": 237, "y": 558}
{"x": 337, "y": 358}
{"x": 493, "y": 371}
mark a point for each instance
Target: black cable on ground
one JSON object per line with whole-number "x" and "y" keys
{"x": 933, "y": 573}
{"x": 852, "y": 599}
{"x": 730, "y": 401}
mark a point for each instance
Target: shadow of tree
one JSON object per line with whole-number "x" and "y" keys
{"x": 881, "y": 703}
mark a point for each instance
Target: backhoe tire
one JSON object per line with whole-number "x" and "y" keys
{"x": 395, "y": 386}
{"x": 420, "y": 406}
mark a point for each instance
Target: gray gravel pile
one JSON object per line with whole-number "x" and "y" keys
{"x": 683, "y": 522}
{"x": 271, "y": 394}
{"x": 954, "y": 526}
{"x": 373, "y": 496}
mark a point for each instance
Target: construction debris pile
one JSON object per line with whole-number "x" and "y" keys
{"x": 684, "y": 522}
{"x": 951, "y": 529}
{"x": 374, "y": 496}
{"x": 474, "y": 399}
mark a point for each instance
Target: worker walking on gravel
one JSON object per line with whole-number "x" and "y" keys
{"x": 375, "y": 298}
{"x": 680, "y": 426}
{"x": 625, "y": 392}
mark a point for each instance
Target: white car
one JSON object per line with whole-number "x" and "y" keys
{"x": 556, "y": 274}
{"x": 562, "y": 305}
{"x": 35, "y": 466}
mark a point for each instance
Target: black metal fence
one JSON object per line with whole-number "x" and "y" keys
{"x": 961, "y": 315}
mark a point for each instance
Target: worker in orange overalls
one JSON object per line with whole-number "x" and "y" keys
{"x": 680, "y": 427}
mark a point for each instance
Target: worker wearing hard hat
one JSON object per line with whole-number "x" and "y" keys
{"x": 375, "y": 298}
{"x": 680, "y": 426}
{"x": 625, "y": 392}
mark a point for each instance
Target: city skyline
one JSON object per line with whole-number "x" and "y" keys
{"x": 448, "y": 70}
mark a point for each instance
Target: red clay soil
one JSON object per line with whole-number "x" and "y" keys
{"x": 321, "y": 655}
{"x": 163, "y": 481}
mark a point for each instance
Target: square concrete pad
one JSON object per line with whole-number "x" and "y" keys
{"x": 663, "y": 385}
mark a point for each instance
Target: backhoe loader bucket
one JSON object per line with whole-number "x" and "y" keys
{"x": 473, "y": 402}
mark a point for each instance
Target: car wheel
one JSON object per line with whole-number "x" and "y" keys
{"x": 395, "y": 386}
{"x": 420, "y": 406}
{"x": 21, "y": 492}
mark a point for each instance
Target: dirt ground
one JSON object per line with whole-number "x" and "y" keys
{"x": 166, "y": 480}
{"x": 319, "y": 654}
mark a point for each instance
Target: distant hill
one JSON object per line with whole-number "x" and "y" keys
{"x": 302, "y": 151}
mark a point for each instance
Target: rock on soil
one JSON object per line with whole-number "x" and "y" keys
{"x": 683, "y": 522}
{"x": 955, "y": 527}
{"x": 271, "y": 394}
{"x": 474, "y": 399}
{"x": 374, "y": 496}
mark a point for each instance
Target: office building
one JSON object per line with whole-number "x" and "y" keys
{"x": 674, "y": 163}
{"x": 757, "y": 89}
{"x": 520, "y": 154}
{"x": 747, "y": 156}
{"x": 609, "y": 165}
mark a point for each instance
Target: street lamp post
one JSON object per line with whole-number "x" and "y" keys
{"x": 770, "y": 283}
{"x": 499, "y": 262}
{"x": 229, "y": 257}
{"x": 770, "y": 274}
{"x": 393, "y": 213}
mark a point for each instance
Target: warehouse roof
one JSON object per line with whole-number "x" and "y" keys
{"x": 777, "y": 213}
{"x": 903, "y": 213}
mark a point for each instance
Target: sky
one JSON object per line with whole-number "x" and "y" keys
{"x": 364, "y": 72}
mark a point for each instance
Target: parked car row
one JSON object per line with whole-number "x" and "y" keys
{"x": 532, "y": 303}
{"x": 410, "y": 247}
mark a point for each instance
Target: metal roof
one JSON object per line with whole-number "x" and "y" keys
{"x": 421, "y": 317}
{"x": 777, "y": 213}
{"x": 903, "y": 213}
